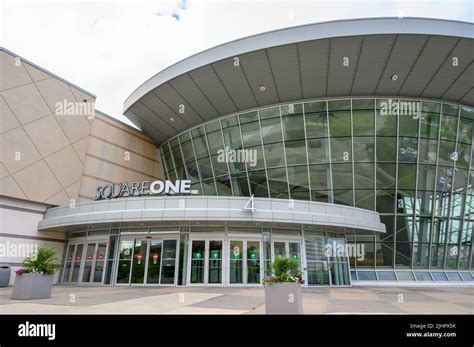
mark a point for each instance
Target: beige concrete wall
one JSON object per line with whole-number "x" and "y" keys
{"x": 42, "y": 152}
{"x": 19, "y": 235}
{"x": 53, "y": 158}
{"x": 117, "y": 153}
{"x": 48, "y": 158}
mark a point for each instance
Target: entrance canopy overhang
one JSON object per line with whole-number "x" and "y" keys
{"x": 211, "y": 210}
{"x": 372, "y": 57}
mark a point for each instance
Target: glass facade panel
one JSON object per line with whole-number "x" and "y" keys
{"x": 320, "y": 177}
{"x": 273, "y": 155}
{"x": 412, "y": 161}
{"x": 439, "y": 276}
{"x": 366, "y": 275}
{"x": 364, "y": 149}
{"x": 316, "y": 125}
{"x": 278, "y": 183}
{"x": 339, "y": 123}
{"x": 296, "y": 152}
{"x": 423, "y": 276}
{"x": 293, "y": 127}
{"x": 298, "y": 182}
{"x": 454, "y": 276}
{"x": 364, "y": 122}
{"x": 405, "y": 276}
{"x": 318, "y": 151}
{"x": 271, "y": 130}
{"x": 386, "y": 276}
{"x": 251, "y": 134}
{"x": 341, "y": 149}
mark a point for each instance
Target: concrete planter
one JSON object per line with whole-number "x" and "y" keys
{"x": 30, "y": 286}
{"x": 283, "y": 298}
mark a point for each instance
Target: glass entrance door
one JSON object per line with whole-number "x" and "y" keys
{"x": 253, "y": 262}
{"x": 76, "y": 264}
{"x": 198, "y": 249}
{"x": 206, "y": 262}
{"x": 214, "y": 263}
{"x": 154, "y": 262}
{"x": 68, "y": 264}
{"x": 98, "y": 271}
{"x": 288, "y": 249}
{"x": 236, "y": 262}
{"x": 338, "y": 266}
{"x": 244, "y": 262}
{"x": 147, "y": 261}
{"x": 85, "y": 262}
{"x": 138, "y": 262}
{"x": 88, "y": 261}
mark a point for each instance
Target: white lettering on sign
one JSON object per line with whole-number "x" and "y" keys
{"x": 110, "y": 191}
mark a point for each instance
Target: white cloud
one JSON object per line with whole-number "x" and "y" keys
{"x": 110, "y": 48}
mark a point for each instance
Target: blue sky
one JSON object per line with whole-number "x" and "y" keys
{"x": 111, "y": 47}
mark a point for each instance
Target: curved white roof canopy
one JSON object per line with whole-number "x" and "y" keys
{"x": 306, "y": 62}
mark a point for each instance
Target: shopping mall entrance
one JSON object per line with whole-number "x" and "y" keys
{"x": 85, "y": 262}
{"x": 146, "y": 261}
{"x": 225, "y": 261}
{"x": 203, "y": 256}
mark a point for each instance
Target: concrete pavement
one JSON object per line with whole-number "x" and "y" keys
{"x": 69, "y": 299}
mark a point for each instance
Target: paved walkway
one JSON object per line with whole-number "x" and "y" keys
{"x": 68, "y": 299}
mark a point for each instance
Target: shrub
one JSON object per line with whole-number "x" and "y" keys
{"x": 284, "y": 270}
{"x": 44, "y": 261}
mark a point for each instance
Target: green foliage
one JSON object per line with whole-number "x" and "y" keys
{"x": 284, "y": 270}
{"x": 285, "y": 266}
{"x": 43, "y": 261}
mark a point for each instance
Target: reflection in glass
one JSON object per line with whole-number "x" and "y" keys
{"x": 99, "y": 262}
{"x": 253, "y": 262}
{"x": 279, "y": 249}
{"x": 215, "y": 262}
{"x": 236, "y": 262}
{"x": 139, "y": 259}
{"x": 154, "y": 262}
{"x": 69, "y": 260}
{"x": 77, "y": 263}
{"x": 197, "y": 261}
{"x": 168, "y": 264}
{"x": 344, "y": 168}
{"x": 125, "y": 257}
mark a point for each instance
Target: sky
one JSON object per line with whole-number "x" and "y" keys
{"x": 109, "y": 48}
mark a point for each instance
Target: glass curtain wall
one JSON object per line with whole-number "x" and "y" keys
{"x": 409, "y": 160}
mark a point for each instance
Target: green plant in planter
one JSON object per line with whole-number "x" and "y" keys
{"x": 284, "y": 270}
{"x": 44, "y": 261}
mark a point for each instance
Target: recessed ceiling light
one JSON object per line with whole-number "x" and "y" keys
{"x": 263, "y": 88}
{"x": 172, "y": 119}
{"x": 394, "y": 77}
